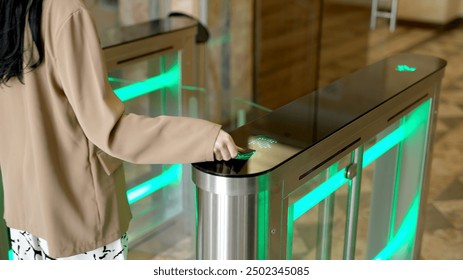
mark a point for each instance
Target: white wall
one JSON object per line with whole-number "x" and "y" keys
{"x": 430, "y": 11}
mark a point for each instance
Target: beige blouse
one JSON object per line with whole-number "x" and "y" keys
{"x": 64, "y": 134}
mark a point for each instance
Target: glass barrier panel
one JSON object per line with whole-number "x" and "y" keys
{"x": 317, "y": 217}
{"x": 392, "y": 178}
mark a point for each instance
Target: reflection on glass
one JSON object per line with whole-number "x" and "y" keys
{"x": 244, "y": 111}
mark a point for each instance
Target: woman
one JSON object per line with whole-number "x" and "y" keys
{"x": 64, "y": 134}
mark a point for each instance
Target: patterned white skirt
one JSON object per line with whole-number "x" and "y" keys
{"x": 26, "y": 246}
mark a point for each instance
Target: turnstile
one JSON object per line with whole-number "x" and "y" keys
{"x": 341, "y": 173}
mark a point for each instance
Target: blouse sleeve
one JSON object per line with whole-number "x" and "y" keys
{"x": 100, "y": 113}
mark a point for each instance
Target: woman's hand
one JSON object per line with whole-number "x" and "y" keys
{"x": 224, "y": 147}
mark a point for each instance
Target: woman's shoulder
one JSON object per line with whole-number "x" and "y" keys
{"x": 57, "y": 12}
{"x": 63, "y": 8}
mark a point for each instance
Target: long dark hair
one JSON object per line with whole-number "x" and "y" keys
{"x": 13, "y": 14}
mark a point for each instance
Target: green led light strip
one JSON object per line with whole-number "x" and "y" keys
{"x": 171, "y": 175}
{"x": 263, "y": 206}
{"x": 289, "y": 236}
{"x": 168, "y": 79}
{"x": 10, "y": 254}
{"x": 406, "y": 233}
{"x": 318, "y": 194}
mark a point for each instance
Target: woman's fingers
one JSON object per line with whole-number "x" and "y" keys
{"x": 224, "y": 147}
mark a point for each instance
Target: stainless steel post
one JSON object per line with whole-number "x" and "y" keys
{"x": 325, "y": 226}
{"x": 355, "y": 174}
{"x": 227, "y": 215}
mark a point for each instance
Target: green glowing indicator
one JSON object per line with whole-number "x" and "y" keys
{"x": 405, "y": 68}
{"x": 405, "y": 235}
{"x": 170, "y": 176}
{"x": 168, "y": 79}
{"x": 10, "y": 255}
